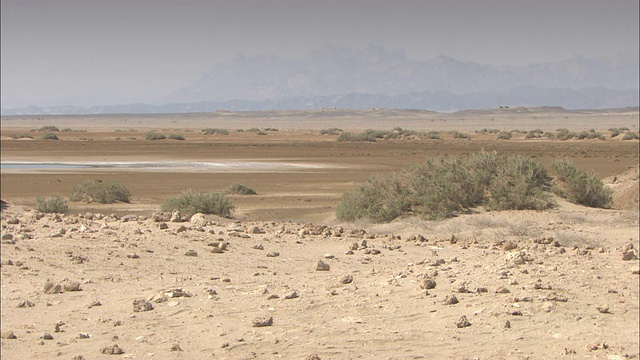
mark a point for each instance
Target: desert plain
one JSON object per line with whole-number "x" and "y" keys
{"x": 114, "y": 278}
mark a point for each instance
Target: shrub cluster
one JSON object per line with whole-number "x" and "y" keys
{"x": 176, "y": 137}
{"x": 240, "y": 189}
{"x": 581, "y": 187}
{"x": 49, "y": 136}
{"x": 48, "y": 128}
{"x": 331, "y": 131}
{"x": 396, "y": 133}
{"x": 191, "y": 202}
{"x": 504, "y": 135}
{"x": 443, "y": 186}
{"x": 630, "y": 136}
{"x": 214, "y": 131}
{"x": 53, "y": 204}
{"x": 20, "y": 136}
{"x": 100, "y": 192}
{"x": 152, "y": 135}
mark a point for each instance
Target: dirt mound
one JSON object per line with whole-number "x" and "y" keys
{"x": 625, "y": 189}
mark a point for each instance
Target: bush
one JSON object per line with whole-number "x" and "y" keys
{"x": 580, "y": 187}
{"x": 504, "y": 135}
{"x": 565, "y": 134}
{"x": 443, "y": 186}
{"x": 331, "y": 131}
{"x": 459, "y": 135}
{"x": 49, "y": 136}
{"x": 176, "y": 137}
{"x": 347, "y": 136}
{"x": 214, "y": 131}
{"x": 152, "y": 135}
{"x": 630, "y": 136}
{"x": 240, "y": 189}
{"x": 261, "y": 132}
{"x": 48, "y": 128}
{"x": 20, "y": 136}
{"x": 191, "y": 202}
{"x": 100, "y": 192}
{"x": 53, "y": 204}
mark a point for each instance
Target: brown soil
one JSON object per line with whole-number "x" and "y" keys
{"x": 555, "y": 286}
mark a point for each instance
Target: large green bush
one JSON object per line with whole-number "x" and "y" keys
{"x": 442, "y": 186}
{"x": 52, "y": 204}
{"x": 580, "y": 187}
{"x": 191, "y": 202}
{"x": 100, "y": 192}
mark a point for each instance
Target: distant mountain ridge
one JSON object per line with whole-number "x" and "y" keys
{"x": 372, "y": 77}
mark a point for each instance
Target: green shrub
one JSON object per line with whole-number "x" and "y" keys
{"x": 176, "y": 137}
{"x": 240, "y": 189}
{"x": 49, "y": 136}
{"x": 459, "y": 135}
{"x": 565, "y": 134}
{"x": 630, "y": 136}
{"x": 443, "y": 186}
{"x": 100, "y": 192}
{"x": 331, "y": 131}
{"x": 152, "y": 135}
{"x": 214, "y": 131}
{"x": 580, "y": 187}
{"x": 549, "y": 135}
{"x": 504, "y": 135}
{"x": 347, "y": 137}
{"x": 48, "y": 128}
{"x": 53, "y": 204}
{"x": 261, "y": 132}
{"x": 191, "y": 202}
{"x": 270, "y": 129}
{"x": 20, "y": 136}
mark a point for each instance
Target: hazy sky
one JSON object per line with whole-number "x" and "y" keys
{"x": 84, "y": 52}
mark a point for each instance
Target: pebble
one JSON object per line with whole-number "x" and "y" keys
{"x": 8, "y": 335}
{"x": 141, "y": 305}
{"x": 427, "y": 284}
{"x": 603, "y": 309}
{"x": 347, "y": 279}
{"x": 46, "y": 336}
{"x": 450, "y": 300}
{"x": 463, "y": 322}
{"x": 72, "y": 286}
{"x": 112, "y": 350}
{"x": 273, "y": 254}
{"x": 262, "y": 321}
{"x": 292, "y": 295}
{"x": 52, "y": 288}
{"x": 322, "y": 266}
{"x": 191, "y": 253}
{"x": 502, "y": 290}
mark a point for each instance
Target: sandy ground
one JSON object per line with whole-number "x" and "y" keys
{"x": 534, "y": 285}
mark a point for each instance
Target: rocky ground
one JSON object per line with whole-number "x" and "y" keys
{"x": 555, "y": 284}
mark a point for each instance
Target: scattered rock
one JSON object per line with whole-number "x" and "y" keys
{"x": 26, "y": 304}
{"x": 140, "y": 305}
{"x": 450, "y": 300}
{"x": 427, "y": 284}
{"x": 177, "y": 217}
{"x": 508, "y": 246}
{"x": 133, "y": 256}
{"x": 256, "y": 230}
{"x": 258, "y": 247}
{"x": 273, "y": 254}
{"x": 502, "y": 290}
{"x": 199, "y": 219}
{"x": 181, "y": 229}
{"x": 463, "y": 322}
{"x": 112, "y": 350}
{"x": 292, "y": 295}
{"x": 7, "y": 236}
{"x": 629, "y": 255}
{"x": 262, "y": 321}
{"x": 176, "y": 347}
{"x": 604, "y": 309}
{"x": 322, "y": 266}
{"x": 163, "y": 226}
{"x": 329, "y": 256}
{"x": 46, "y": 336}
{"x": 347, "y": 279}
{"x": 52, "y": 288}
{"x": 72, "y": 286}
{"x": 191, "y": 253}
{"x": 8, "y": 335}
{"x": 507, "y": 324}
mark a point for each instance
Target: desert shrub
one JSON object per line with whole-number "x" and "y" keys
{"x": 53, "y": 204}
{"x": 331, "y": 131}
{"x": 442, "y": 186}
{"x": 459, "y": 135}
{"x": 549, "y": 135}
{"x": 348, "y": 136}
{"x": 240, "y": 189}
{"x": 100, "y": 192}
{"x": 152, "y": 135}
{"x": 580, "y": 187}
{"x": 533, "y": 134}
{"x": 20, "y": 136}
{"x": 49, "y": 136}
{"x": 432, "y": 135}
{"x": 214, "y": 131}
{"x": 191, "y": 202}
{"x": 48, "y": 128}
{"x": 254, "y": 129}
{"x": 564, "y": 134}
{"x": 67, "y": 129}
{"x": 261, "y": 132}
{"x": 176, "y": 137}
{"x": 270, "y": 129}
{"x": 630, "y": 136}
{"x": 504, "y": 135}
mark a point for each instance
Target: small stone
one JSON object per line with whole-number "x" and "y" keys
{"x": 26, "y": 304}
{"x": 427, "y": 284}
{"x": 256, "y": 230}
{"x": 258, "y": 247}
{"x": 313, "y": 357}
{"x": 46, "y": 336}
{"x": 450, "y": 300}
{"x": 112, "y": 350}
{"x": 629, "y": 255}
{"x": 72, "y": 286}
{"x": 508, "y": 246}
{"x": 7, "y": 236}
{"x": 8, "y": 335}
{"x": 191, "y": 253}
{"x": 292, "y": 295}
{"x": 262, "y": 321}
{"x": 216, "y": 250}
{"x": 502, "y": 290}
{"x": 329, "y": 256}
{"x": 84, "y": 335}
{"x": 52, "y": 288}
{"x": 181, "y": 229}
{"x": 163, "y": 226}
{"x": 347, "y": 279}
{"x": 604, "y": 309}
{"x": 322, "y": 266}
{"x": 507, "y": 324}
{"x": 273, "y": 254}
{"x": 176, "y": 347}
{"x": 463, "y": 322}
{"x": 133, "y": 256}
{"x": 141, "y": 305}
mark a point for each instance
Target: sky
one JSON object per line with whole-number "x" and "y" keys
{"x": 89, "y": 52}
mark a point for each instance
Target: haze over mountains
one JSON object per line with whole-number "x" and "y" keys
{"x": 373, "y": 77}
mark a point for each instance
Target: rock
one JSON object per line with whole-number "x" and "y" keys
{"x": 7, "y": 236}
{"x": 191, "y": 253}
{"x": 313, "y": 357}
{"x": 629, "y": 255}
{"x": 163, "y": 226}
{"x": 46, "y": 336}
{"x": 177, "y": 217}
{"x": 112, "y": 350}
{"x": 179, "y": 292}
{"x": 258, "y": 247}
{"x": 181, "y": 229}
{"x": 507, "y": 324}
{"x": 26, "y": 304}
{"x": 176, "y": 347}
{"x": 273, "y": 254}
{"x": 353, "y": 246}
{"x": 508, "y": 246}
{"x": 133, "y": 256}
{"x": 329, "y": 256}
{"x": 463, "y": 322}
{"x": 8, "y": 335}
{"x": 460, "y": 287}
{"x": 604, "y": 309}
{"x": 161, "y": 217}
{"x": 450, "y": 300}
{"x": 256, "y": 230}
{"x": 348, "y": 279}
{"x": 292, "y": 295}
{"x": 141, "y": 305}
{"x": 262, "y": 321}
{"x": 427, "y": 284}
{"x": 72, "y": 286}
{"x": 216, "y": 250}
{"x": 322, "y": 266}
{"x": 52, "y": 288}
{"x": 502, "y": 290}
{"x": 199, "y": 219}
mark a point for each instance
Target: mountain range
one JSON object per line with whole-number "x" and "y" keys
{"x": 373, "y": 77}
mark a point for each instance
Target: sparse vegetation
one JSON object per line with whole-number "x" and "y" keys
{"x": 504, "y": 135}
{"x": 443, "y": 186}
{"x": 331, "y": 131}
{"x": 49, "y": 136}
{"x": 191, "y": 202}
{"x": 581, "y": 187}
{"x": 630, "y": 136}
{"x": 564, "y": 134}
{"x": 459, "y": 135}
{"x": 20, "y": 136}
{"x": 240, "y": 189}
{"x": 261, "y": 132}
{"x": 214, "y": 131}
{"x": 396, "y": 133}
{"x": 176, "y": 137}
{"x": 100, "y": 192}
{"x": 48, "y": 128}
{"x": 53, "y": 204}
{"x": 152, "y": 135}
